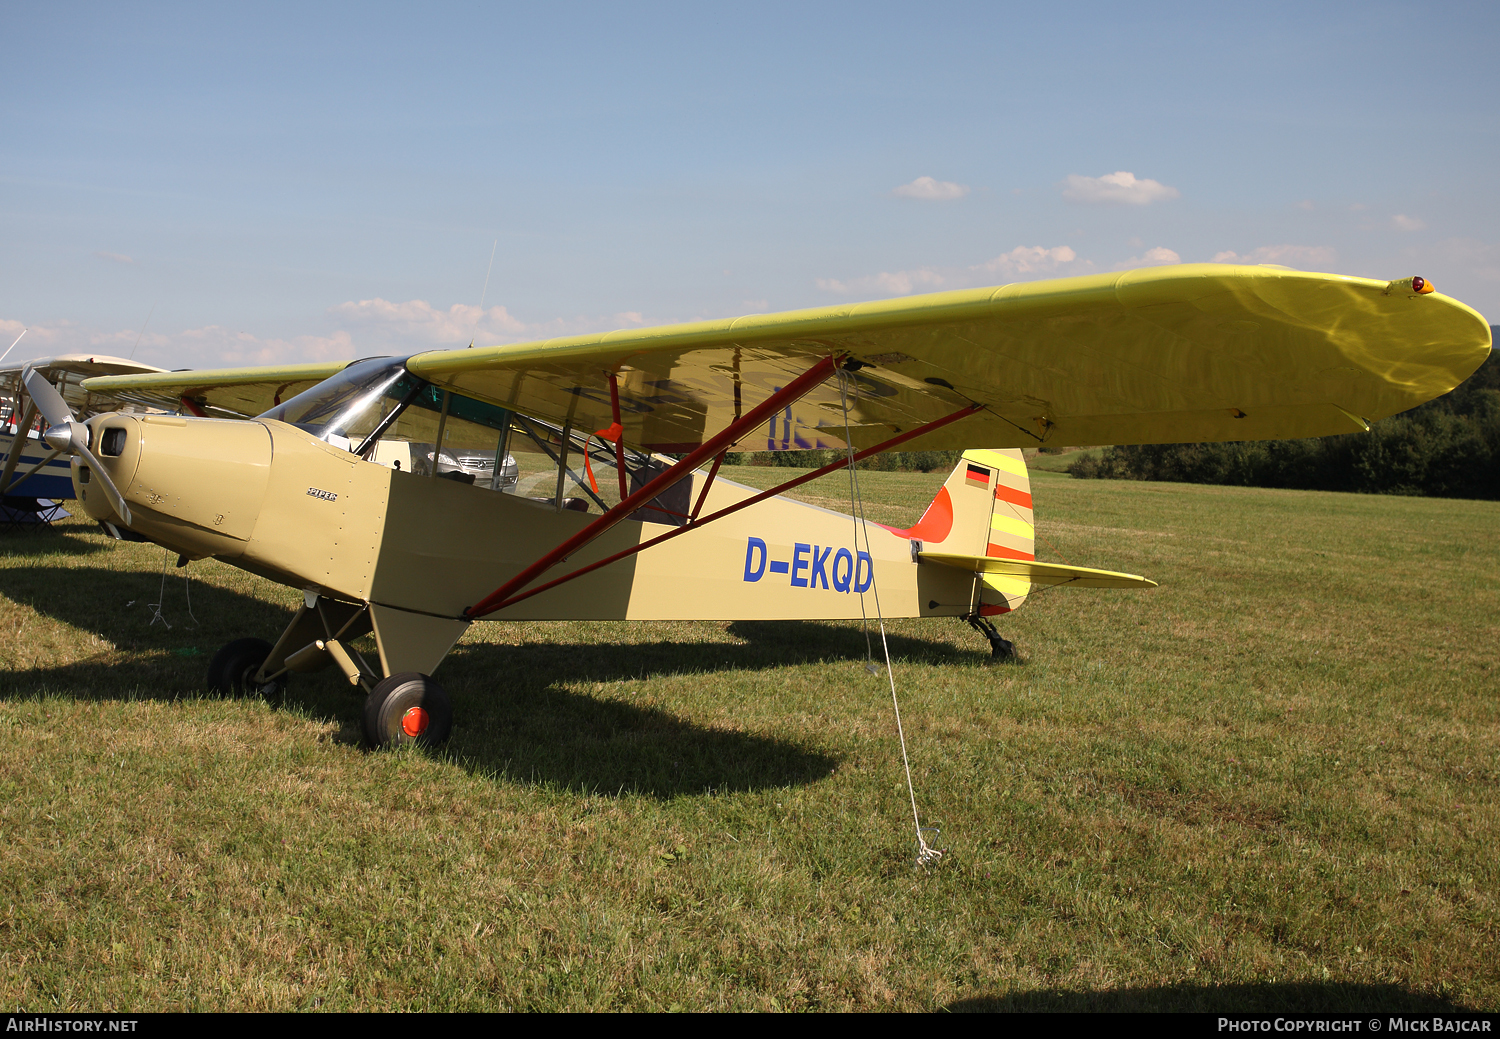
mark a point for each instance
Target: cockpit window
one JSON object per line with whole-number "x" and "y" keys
{"x": 379, "y": 394}
{"x": 347, "y": 407}
{"x": 376, "y": 407}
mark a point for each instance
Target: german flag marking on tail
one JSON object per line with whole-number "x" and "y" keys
{"x": 978, "y": 475}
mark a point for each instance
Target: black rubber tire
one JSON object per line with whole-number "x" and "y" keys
{"x": 1002, "y": 650}
{"x": 387, "y": 707}
{"x": 232, "y": 670}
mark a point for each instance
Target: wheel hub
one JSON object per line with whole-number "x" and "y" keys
{"x": 414, "y": 722}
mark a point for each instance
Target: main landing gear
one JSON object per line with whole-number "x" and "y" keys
{"x": 1001, "y": 648}
{"x": 405, "y": 708}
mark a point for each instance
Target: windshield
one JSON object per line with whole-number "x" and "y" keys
{"x": 347, "y": 407}
{"x": 376, "y": 407}
{"x": 378, "y": 402}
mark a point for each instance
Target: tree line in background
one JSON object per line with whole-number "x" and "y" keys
{"x": 890, "y": 462}
{"x": 1446, "y": 448}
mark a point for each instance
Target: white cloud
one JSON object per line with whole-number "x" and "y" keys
{"x": 1306, "y": 203}
{"x": 1117, "y": 189}
{"x": 1402, "y": 222}
{"x": 891, "y": 283}
{"x": 362, "y": 328}
{"x": 47, "y": 338}
{"x": 425, "y": 324}
{"x": 931, "y": 190}
{"x": 1155, "y": 257}
{"x": 1021, "y": 262}
{"x": 1285, "y": 255}
{"x": 417, "y": 325}
{"x": 216, "y": 346}
{"x": 116, "y": 257}
{"x": 1024, "y": 259}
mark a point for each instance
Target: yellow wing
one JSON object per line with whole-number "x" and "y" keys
{"x": 1190, "y": 353}
{"x": 232, "y": 392}
{"x": 1038, "y": 573}
{"x": 1197, "y": 352}
{"x": 68, "y": 372}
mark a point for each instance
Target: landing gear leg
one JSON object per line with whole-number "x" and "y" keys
{"x": 1001, "y": 648}
{"x": 407, "y": 708}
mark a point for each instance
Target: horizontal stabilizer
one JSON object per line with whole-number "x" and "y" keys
{"x": 1038, "y": 573}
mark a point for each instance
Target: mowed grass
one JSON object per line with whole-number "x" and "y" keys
{"x": 1270, "y": 783}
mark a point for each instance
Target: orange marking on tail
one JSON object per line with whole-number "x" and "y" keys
{"x": 1012, "y": 495}
{"x": 1001, "y": 552}
{"x": 936, "y": 523}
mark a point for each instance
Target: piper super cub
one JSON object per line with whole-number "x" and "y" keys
{"x": 413, "y": 496}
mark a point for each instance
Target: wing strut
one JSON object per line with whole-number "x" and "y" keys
{"x": 474, "y": 612}
{"x": 714, "y": 445}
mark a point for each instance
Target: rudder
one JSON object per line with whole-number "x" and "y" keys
{"x": 1011, "y": 532}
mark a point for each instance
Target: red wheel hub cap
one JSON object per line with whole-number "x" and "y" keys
{"x": 414, "y": 722}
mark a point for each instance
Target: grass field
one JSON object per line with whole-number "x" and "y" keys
{"x": 1271, "y": 783}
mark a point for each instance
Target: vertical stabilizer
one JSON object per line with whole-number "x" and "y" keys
{"x": 983, "y": 509}
{"x": 1011, "y": 532}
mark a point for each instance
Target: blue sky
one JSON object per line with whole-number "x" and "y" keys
{"x": 272, "y": 183}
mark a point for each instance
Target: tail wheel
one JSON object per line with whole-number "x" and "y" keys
{"x": 407, "y": 708}
{"x": 232, "y": 670}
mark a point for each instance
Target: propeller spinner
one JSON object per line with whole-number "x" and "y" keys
{"x": 66, "y": 435}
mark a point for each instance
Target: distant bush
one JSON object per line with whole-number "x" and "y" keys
{"x": 894, "y": 461}
{"x": 1447, "y": 448}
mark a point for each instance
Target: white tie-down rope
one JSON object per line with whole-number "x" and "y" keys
{"x": 925, "y": 855}
{"x": 161, "y": 596}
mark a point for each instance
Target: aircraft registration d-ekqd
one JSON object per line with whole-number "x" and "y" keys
{"x": 413, "y": 496}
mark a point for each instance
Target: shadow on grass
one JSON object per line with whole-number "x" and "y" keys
{"x": 1275, "y": 997}
{"x": 517, "y": 720}
{"x": 572, "y": 741}
{"x": 69, "y": 540}
{"x": 800, "y": 642}
{"x": 514, "y": 718}
{"x": 116, "y": 604}
{"x": 523, "y": 731}
{"x": 515, "y": 715}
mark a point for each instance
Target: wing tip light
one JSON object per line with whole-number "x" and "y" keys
{"x": 1413, "y": 286}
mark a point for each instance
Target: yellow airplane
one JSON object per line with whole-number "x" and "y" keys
{"x": 413, "y": 496}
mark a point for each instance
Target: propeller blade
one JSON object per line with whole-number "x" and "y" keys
{"x": 48, "y": 401}
{"x": 68, "y": 434}
{"x": 111, "y": 492}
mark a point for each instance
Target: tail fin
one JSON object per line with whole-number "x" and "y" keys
{"x": 1012, "y": 533}
{"x": 984, "y": 509}
{"x": 1001, "y": 525}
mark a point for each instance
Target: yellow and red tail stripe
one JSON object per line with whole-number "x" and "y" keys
{"x": 1012, "y": 533}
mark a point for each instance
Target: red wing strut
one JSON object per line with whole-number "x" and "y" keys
{"x": 715, "y": 445}
{"x": 500, "y": 604}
